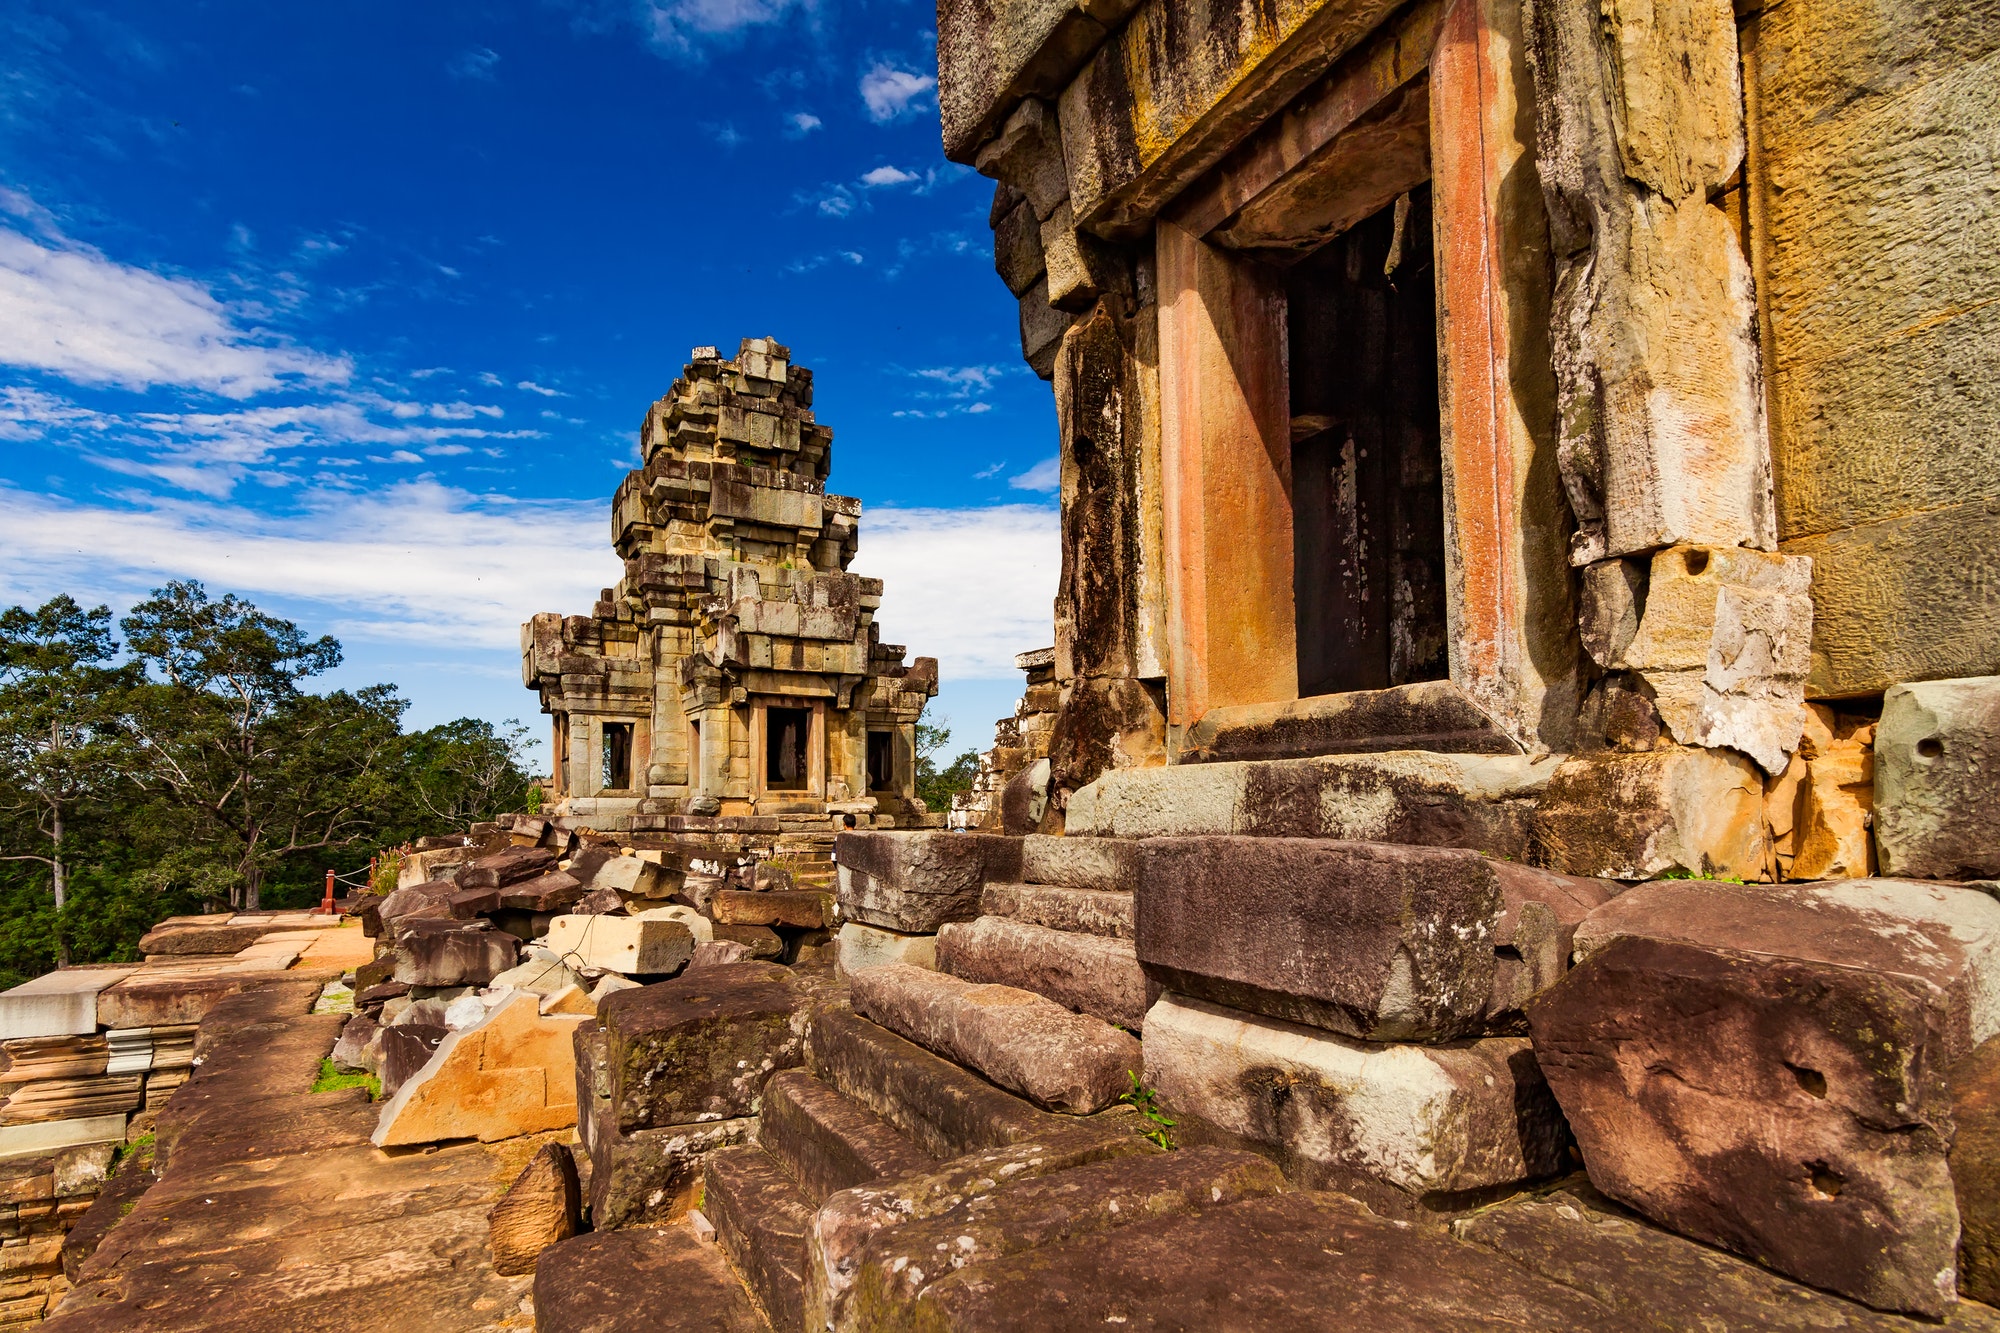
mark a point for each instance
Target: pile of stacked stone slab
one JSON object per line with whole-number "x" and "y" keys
{"x": 734, "y": 682}
{"x": 89, "y": 1057}
{"x": 1011, "y": 786}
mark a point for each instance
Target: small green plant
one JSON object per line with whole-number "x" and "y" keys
{"x": 138, "y": 1150}
{"x": 1681, "y": 872}
{"x": 387, "y": 870}
{"x": 332, "y": 1079}
{"x": 1146, "y": 1102}
{"x": 534, "y": 800}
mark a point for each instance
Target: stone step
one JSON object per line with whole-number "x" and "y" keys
{"x": 945, "y": 1110}
{"x": 1083, "y": 911}
{"x": 761, "y": 1220}
{"x": 1269, "y": 1263}
{"x": 829, "y": 1142}
{"x": 1103, "y": 864}
{"x": 1022, "y": 1041}
{"x": 1485, "y": 802}
{"x": 1089, "y": 974}
{"x": 645, "y": 1280}
{"x": 897, "y": 1263}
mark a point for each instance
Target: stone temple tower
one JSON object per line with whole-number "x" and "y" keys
{"x": 734, "y": 674}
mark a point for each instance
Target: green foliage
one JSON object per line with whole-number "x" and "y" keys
{"x": 1145, "y": 1100}
{"x": 332, "y": 1079}
{"x": 194, "y": 770}
{"x": 936, "y": 786}
{"x": 1681, "y": 872}
{"x": 534, "y": 805}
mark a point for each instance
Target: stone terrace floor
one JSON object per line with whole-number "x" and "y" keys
{"x": 273, "y": 1210}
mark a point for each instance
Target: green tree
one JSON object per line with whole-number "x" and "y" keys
{"x": 464, "y": 771}
{"x": 936, "y": 786}
{"x": 263, "y": 769}
{"x": 60, "y": 742}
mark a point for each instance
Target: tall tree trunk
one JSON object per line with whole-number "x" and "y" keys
{"x": 60, "y": 874}
{"x": 253, "y": 880}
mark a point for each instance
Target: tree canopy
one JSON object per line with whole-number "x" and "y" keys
{"x": 192, "y": 766}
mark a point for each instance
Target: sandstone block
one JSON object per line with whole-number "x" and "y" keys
{"x": 1028, "y": 155}
{"x": 1485, "y": 802}
{"x": 1764, "y": 1068}
{"x": 626, "y": 874}
{"x": 1393, "y": 1125}
{"x": 443, "y": 952}
{"x": 1635, "y": 816}
{"x": 643, "y": 1177}
{"x": 429, "y": 898}
{"x": 505, "y": 868}
{"x": 871, "y": 946}
{"x": 1086, "y": 911}
{"x": 761, "y": 941}
{"x": 627, "y": 945}
{"x": 512, "y": 1073}
{"x": 1975, "y": 1170}
{"x": 699, "y": 1047}
{"x": 543, "y": 1207}
{"x": 1023, "y": 1042}
{"x": 1607, "y": 618}
{"x": 1017, "y": 248}
{"x": 1937, "y": 805}
{"x": 648, "y": 1280}
{"x": 406, "y": 1048}
{"x": 553, "y": 892}
{"x": 739, "y": 907}
{"x": 60, "y": 1004}
{"x": 540, "y": 973}
{"x": 1107, "y": 864}
{"x": 701, "y": 927}
{"x": 359, "y": 1045}
{"x": 991, "y": 56}
{"x": 1433, "y": 715}
{"x": 1091, "y": 974}
{"x": 1725, "y": 644}
{"x": 1831, "y": 835}
{"x": 914, "y": 882}
{"x": 828, "y": 1142}
{"x": 1377, "y": 941}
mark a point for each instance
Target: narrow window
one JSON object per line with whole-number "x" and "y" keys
{"x": 786, "y": 733}
{"x": 1367, "y": 480}
{"x": 694, "y": 755}
{"x": 881, "y": 761}
{"x": 617, "y": 756}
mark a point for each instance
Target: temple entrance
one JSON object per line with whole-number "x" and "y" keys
{"x": 787, "y": 737}
{"x": 1368, "y": 575}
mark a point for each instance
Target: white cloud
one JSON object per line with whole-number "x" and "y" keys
{"x": 476, "y": 63}
{"x": 676, "y": 27}
{"x": 962, "y": 381}
{"x": 802, "y": 123}
{"x": 529, "y": 386}
{"x": 985, "y": 473}
{"x": 1043, "y": 476}
{"x": 970, "y": 587}
{"x": 838, "y": 204}
{"x": 414, "y": 562}
{"x": 68, "y": 310}
{"x": 889, "y": 92}
{"x": 888, "y": 175}
{"x": 852, "y": 256}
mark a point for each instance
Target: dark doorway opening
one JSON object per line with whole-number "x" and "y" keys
{"x": 786, "y": 734}
{"x": 1367, "y": 477}
{"x": 694, "y": 755}
{"x": 881, "y": 761}
{"x": 617, "y": 773}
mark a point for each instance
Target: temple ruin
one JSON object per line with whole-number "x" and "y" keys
{"x": 735, "y": 672}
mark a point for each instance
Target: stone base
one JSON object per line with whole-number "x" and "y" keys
{"x": 1638, "y": 816}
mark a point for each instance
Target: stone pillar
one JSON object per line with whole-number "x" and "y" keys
{"x": 1660, "y": 406}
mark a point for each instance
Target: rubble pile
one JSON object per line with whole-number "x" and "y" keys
{"x": 1011, "y": 787}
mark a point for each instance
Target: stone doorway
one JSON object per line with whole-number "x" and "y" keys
{"x": 1368, "y": 551}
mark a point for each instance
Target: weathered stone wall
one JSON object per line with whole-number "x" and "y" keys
{"x": 1874, "y": 129}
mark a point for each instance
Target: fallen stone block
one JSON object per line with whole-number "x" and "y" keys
{"x": 1764, "y": 1068}
{"x": 701, "y": 927}
{"x": 1108, "y": 865}
{"x": 719, "y": 953}
{"x": 828, "y": 1142}
{"x": 1401, "y": 1127}
{"x": 1022, "y": 1041}
{"x": 1937, "y": 806}
{"x": 510, "y": 1074}
{"x": 914, "y": 882}
{"x": 1373, "y": 940}
{"x": 643, "y": 1177}
{"x": 553, "y": 892}
{"x": 739, "y": 907}
{"x": 1091, "y": 974}
{"x": 543, "y": 1207}
{"x": 471, "y": 904}
{"x": 900, "y": 1263}
{"x": 359, "y": 1046}
{"x": 1485, "y": 802}
{"x": 540, "y": 972}
{"x": 621, "y": 874}
{"x": 405, "y": 1049}
{"x": 760, "y": 1220}
{"x": 148, "y": 999}
{"x": 502, "y": 869}
{"x": 1975, "y": 1171}
{"x": 429, "y": 898}
{"x": 761, "y": 941}
{"x": 432, "y": 952}
{"x": 622, "y": 944}
{"x": 1668, "y": 811}
{"x": 1084, "y": 911}
{"x": 649, "y": 1280}
{"x": 863, "y": 945}
{"x": 700, "y": 1047}
{"x": 597, "y": 902}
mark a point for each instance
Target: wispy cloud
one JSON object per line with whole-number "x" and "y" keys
{"x": 890, "y": 92}
{"x": 989, "y": 472}
{"x": 66, "y": 309}
{"x": 531, "y": 387}
{"x": 479, "y": 62}
{"x": 683, "y": 28}
{"x": 1043, "y": 476}
{"x": 801, "y": 123}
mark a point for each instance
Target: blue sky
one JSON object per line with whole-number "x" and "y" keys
{"x": 356, "y": 311}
